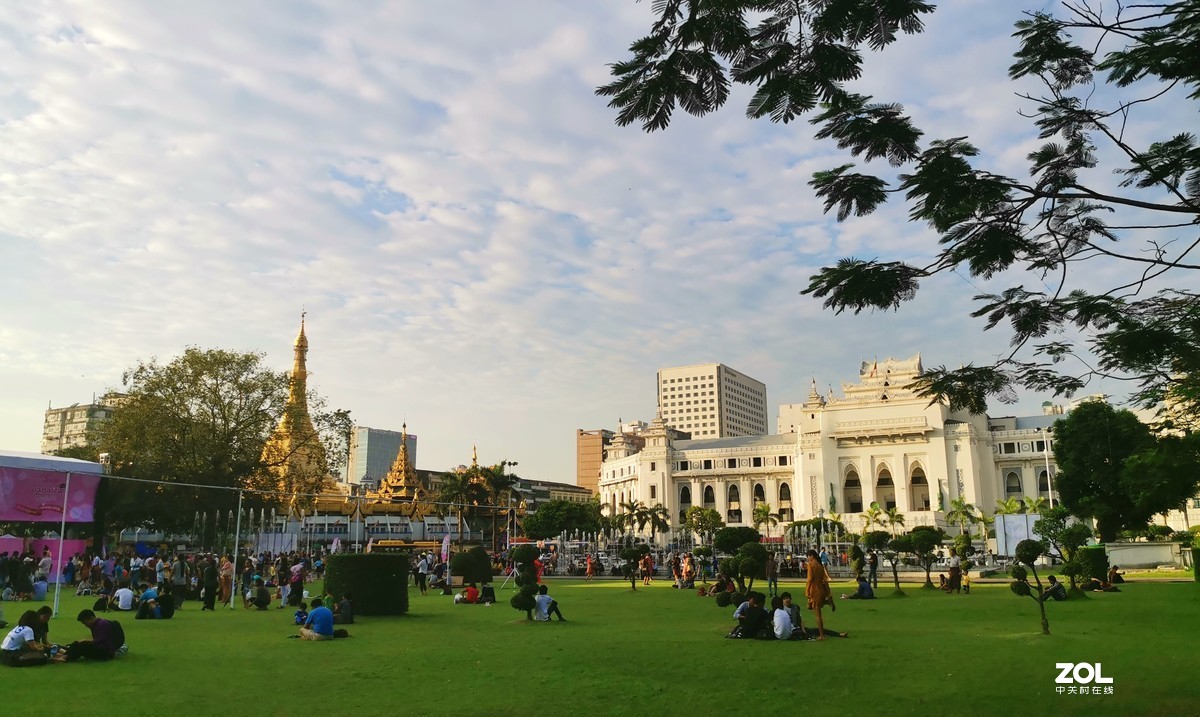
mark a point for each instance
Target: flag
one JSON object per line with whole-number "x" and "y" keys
{"x": 446, "y": 547}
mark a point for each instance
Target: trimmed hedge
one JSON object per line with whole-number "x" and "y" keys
{"x": 377, "y": 582}
{"x": 1094, "y": 561}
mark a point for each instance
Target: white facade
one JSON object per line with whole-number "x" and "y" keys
{"x": 712, "y": 401}
{"x": 877, "y": 443}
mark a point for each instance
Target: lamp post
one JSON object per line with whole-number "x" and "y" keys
{"x": 1049, "y": 478}
{"x": 821, "y": 527}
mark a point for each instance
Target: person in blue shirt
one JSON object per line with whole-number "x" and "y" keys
{"x": 864, "y": 591}
{"x": 319, "y": 625}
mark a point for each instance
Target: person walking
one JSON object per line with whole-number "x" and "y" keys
{"x": 873, "y": 569}
{"x": 772, "y": 575}
{"x": 816, "y": 589}
{"x": 209, "y": 572}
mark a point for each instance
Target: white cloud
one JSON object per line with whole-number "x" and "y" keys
{"x": 482, "y": 253}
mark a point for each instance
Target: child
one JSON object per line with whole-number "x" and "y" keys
{"x": 966, "y": 582}
{"x": 302, "y": 613}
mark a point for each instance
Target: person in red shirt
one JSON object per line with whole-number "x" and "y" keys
{"x": 470, "y": 594}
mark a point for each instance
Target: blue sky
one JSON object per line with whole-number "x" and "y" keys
{"x": 481, "y": 251}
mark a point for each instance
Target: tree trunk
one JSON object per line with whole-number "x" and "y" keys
{"x": 896, "y": 577}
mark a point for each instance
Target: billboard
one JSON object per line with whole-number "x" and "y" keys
{"x": 31, "y": 495}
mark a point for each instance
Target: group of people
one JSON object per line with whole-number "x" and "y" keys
{"x": 781, "y": 622}
{"x": 28, "y": 644}
{"x": 24, "y": 576}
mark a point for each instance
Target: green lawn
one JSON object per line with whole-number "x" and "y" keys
{"x": 656, "y": 651}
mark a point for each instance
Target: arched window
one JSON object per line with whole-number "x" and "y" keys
{"x": 760, "y": 495}
{"x": 918, "y": 488}
{"x": 852, "y": 479}
{"x": 785, "y": 493}
{"x": 852, "y": 491}
{"x": 1043, "y": 484}
{"x": 710, "y": 496}
{"x": 685, "y": 495}
{"x": 1012, "y": 485}
{"x": 733, "y": 494}
{"x": 885, "y": 490}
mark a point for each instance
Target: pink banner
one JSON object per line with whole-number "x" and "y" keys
{"x": 70, "y": 547}
{"x": 37, "y": 496}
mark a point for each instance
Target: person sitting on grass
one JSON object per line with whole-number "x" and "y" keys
{"x": 864, "y": 591}
{"x": 942, "y": 584}
{"x": 781, "y": 621}
{"x": 41, "y": 630}
{"x": 1114, "y": 577}
{"x": 343, "y": 612}
{"x": 107, "y": 640}
{"x": 319, "y": 625}
{"x": 810, "y": 633}
{"x": 259, "y": 598}
{"x": 301, "y": 615}
{"x": 545, "y": 606}
{"x": 470, "y": 594}
{"x": 1100, "y": 586}
{"x": 20, "y": 648}
{"x": 122, "y": 600}
{"x": 753, "y": 619}
{"x": 1057, "y": 591}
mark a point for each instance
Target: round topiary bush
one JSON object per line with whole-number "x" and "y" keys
{"x": 473, "y": 566}
{"x": 377, "y": 582}
{"x": 736, "y": 598}
{"x": 524, "y": 600}
{"x": 724, "y": 599}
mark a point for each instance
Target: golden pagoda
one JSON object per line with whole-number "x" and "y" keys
{"x": 401, "y": 484}
{"x": 294, "y": 454}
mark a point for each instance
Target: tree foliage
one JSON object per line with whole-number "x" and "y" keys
{"x": 730, "y": 539}
{"x": 202, "y": 418}
{"x": 1112, "y": 468}
{"x": 704, "y": 522}
{"x": 1098, "y": 70}
{"x": 1027, "y": 553}
{"x": 925, "y": 541}
{"x": 556, "y": 517}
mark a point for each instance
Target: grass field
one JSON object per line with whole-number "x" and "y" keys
{"x": 657, "y": 651}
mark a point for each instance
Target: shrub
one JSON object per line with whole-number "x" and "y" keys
{"x": 736, "y": 598}
{"x": 523, "y": 599}
{"x": 729, "y": 540}
{"x": 473, "y": 566}
{"x": 724, "y": 599}
{"x": 1093, "y": 561}
{"x": 523, "y": 557}
{"x": 378, "y": 582}
{"x": 1027, "y": 553}
{"x": 703, "y": 552}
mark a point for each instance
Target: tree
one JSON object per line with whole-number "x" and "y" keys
{"x": 1009, "y": 506}
{"x": 895, "y": 549}
{"x": 961, "y": 512}
{"x": 632, "y": 555}
{"x": 1091, "y": 446}
{"x": 730, "y": 539}
{"x": 202, "y": 418}
{"x": 556, "y": 517}
{"x": 461, "y": 491}
{"x": 800, "y": 56}
{"x": 659, "y": 520}
{"x": 1027, "y": 553}
{"x": 748, "y": 563}
{"x": 762, "y": 515}
{"x": 634, "y": 514}
{"x": 894, "y": 517}
{"x": 872, "y": 516}
{"x": 924, "y": 541}
{"x": 499, "y": 487}
{"x": 1034, "y": 505}
{"x": 525, "y": 578}
{"x": 703, "y": 522}
{"x": 1063, "y": 537}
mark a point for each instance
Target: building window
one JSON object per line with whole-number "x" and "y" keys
{"x": 653, "y": 492}
{"x": 1196, "y": 502}
{"x": 1012, "y": 485}
{"x": 683, "y": 465}
{"x": 708, "y": 465}
{"x": 783, "y": 460}
{"x": 756, "y": 462}
{"x": 731, "y": 463}
{"x": 652, "y": 465}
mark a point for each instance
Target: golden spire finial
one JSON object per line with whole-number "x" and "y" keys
{"x": 474, "y": 455}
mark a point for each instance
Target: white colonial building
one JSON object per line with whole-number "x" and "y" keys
{"x": 878, "y": 442}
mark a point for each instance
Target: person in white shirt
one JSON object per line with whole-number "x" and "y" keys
{"x": 422, "y": 573}
{"x": 19, "y": 648}
{"x": 122, "y": 599}
{"x": 782, "y": 623}
{"x": 545, "y": 606}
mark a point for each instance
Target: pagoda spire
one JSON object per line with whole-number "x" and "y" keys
{"x": 401, "y": 482}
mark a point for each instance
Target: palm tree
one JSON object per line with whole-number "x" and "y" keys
{"x": 894, "y": 517}
{"x": 983, "y": 520}
{"x": 872, "y": 516}
{"x": 1008, "y": 506}
{"x": 461, "y": 490}
{"x": 634, "y": 513}
{"x": 762, "y": 515}
{"x": 659, "y": 519}
{"x": 499, "y": 488}
{"x": 961, "y": 512}
{"x": 1034, "y": 505}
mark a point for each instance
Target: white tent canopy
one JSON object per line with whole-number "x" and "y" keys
{"x": 39, "y": 462}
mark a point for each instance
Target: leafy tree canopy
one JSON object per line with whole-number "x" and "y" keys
{"x": 730, "y": 539}
{"x": 202, "y": 418}
{"x": 1099, "y": 70}
{"x": 555, "y": 517}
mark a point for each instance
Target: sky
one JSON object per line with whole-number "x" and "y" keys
{"x": 482, "y": 253}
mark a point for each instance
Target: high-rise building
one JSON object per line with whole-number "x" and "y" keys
{"x": 590, "y": 449}
{"x": 712, "y": 401}
{"x": 372, "y": 451}
{"x": 68, "y": 427}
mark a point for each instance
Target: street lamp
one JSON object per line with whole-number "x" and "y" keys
{"x": 1049, "y": 478}
{"x": 821, "y": 527}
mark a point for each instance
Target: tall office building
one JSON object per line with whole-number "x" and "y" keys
{"x": 68, "y": 427}
{"x": 712, "y": 401}
{"x": 590, "y": 451}
{"x": 372, "y": 451}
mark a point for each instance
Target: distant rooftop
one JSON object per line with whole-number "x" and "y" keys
{"x": 782, "y": 439}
